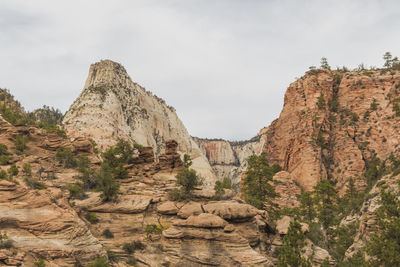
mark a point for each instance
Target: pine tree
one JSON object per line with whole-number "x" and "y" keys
{"x": 326, "y": 197}
{"x": 384, "y": 246}
{"x": 388, "y": 60}
{"x": 324, "y": 64}
{"x": 256, "y": 186}
{"x": 293, "y": 244}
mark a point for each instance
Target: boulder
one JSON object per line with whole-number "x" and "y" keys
{"x": 203, "y": 220}
{"x": 167, "y": 208}
{"x": 231, "y": 211}
{"x": 81, "y": 144}
{"x": 191, "y": 208}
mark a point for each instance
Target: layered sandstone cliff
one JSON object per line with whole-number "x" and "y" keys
{"x": 112, "y": 106}
{"x": 229, "y": 159}
{"x": 333, "y": 123}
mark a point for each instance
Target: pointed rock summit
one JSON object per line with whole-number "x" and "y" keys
{"x": 112, "y": 106}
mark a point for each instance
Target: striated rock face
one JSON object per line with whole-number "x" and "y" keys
{"x": 229, "y": 159}
{"x": 42, "y": 224}
{"x": 355, "y": 119}
{"x": 111, "y": 106}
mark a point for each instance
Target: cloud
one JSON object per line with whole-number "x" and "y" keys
{"x": 224, "y": 65}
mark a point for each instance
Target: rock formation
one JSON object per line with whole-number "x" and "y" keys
{"x": 332, "y": 124}
{"x": 229, "y": 159}
{"x": 111, "y": 106}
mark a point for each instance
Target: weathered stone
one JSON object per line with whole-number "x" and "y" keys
{"x": 167, "y": 208}
{"x": 203, "y": 220}
{"x": 191, "y": 208}
{"x": 230, "y": 210}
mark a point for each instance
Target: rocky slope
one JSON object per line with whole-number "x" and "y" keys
{"x": 111, "y": 106}
{"x": 46, "y": 223}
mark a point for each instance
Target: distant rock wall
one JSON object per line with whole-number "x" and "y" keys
{"x": 229, "y": 159}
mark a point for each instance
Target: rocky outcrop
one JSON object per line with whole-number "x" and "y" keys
{"x": 367, "y": 217}
{"x": 229, "y": 159}
{"x": 332, "y": 123}
{"x": 111, "y": 106}
{"x": 41, "y": 224}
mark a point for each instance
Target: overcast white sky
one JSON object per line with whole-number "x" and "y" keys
{"x": 223, "y": 64}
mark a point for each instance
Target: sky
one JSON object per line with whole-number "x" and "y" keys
{"x": 223, "y": 64}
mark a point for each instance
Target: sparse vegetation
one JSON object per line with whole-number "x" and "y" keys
{"x": 107, "y": 233}
{"x": 20, "y": 142}
{"x": 34, "y": 183}
{"x": 292, "y": 247}
{"x": 27, "y": 169}
{"x": 13, "y": 170}
{"x": 3, "y": 175}
{"x": 100, "y": 262}
{"x": 324, "y": 64}
{"x": 92, "y": 218}
{"x": 106, "y": 184}
{"x": 187, "y": 180}
{"x": 152, "y": 229}
{"x": 321, "y": 102}
{"x": 220, "y": 187}
{"x": 39, "y": 263}
{"x": 130, "y": 248}
{"x": 65, "y": 156}
{"x": 5, "y": 241}
{"x": 76, "y": 191}
{"x": 257, "y": 189}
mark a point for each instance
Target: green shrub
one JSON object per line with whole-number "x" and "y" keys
{"x": 35, "y": 184}
{"x": 20, "y": 143}
{"x": 92, "y": 218}
{"x": 5, "y": 242}
{"x": 107, "y": 233}
{"x": 187, "y": 178}
{"x": 321, "y": 101}
{"x": 4, "y": 160}
{"x": 94, "y": 145}
{"x": 120, "y": 172}
{"x": 374, "y": 105}
{"x": 76, "y": 190}
{"x": 100, "y": 262}
{"x": 293, "y": 243}
{"x": 13, "y": 170}
{"x": 106, "y": 183}
{"x": 121, "y": 153}
{"x": 354, "y": 117}
{"x": 177, "y": 195}
{"x": 152, "y": 229}
{"x": 131, "y": 261}
{"x": 65, "y": 156}
{"x": 39, "y": 263}
{"x": 3, "y": 175}
{"x": 82, "y": 163}
{"x": 220, "y": 187}
{"x": 138, "y": 147}
{"x": 256, "y": 187}
{"x": 130, "y": 248}
{"x": 27, "y": 169}
{"x": 4, "y": 150}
